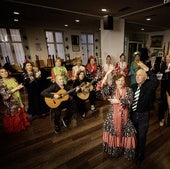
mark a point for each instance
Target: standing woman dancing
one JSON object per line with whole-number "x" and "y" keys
{"x": 118, "y": 131}
{"x": 15, "y": 117}
{"x": 31, "y": 81}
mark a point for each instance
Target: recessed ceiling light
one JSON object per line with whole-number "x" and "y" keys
{"x": 16, "y": 20}
{"x": 142, "y": 29}
{"x": 65, "y": 25}
{"x": 148, "y": 19}
{"x": 16, "y": 13}
{"x": 77, "y": 20}
{"x": 103, "y": 10}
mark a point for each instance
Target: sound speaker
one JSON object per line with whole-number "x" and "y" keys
{"x": 108, "y": 22}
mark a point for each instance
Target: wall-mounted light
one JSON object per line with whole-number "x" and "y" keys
{"x": 66, "y": 25}
{"x": 77, "y": 20}
{"x": 142, "y": 29}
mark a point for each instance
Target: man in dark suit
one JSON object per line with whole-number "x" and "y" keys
{"x": 146, "y": 81}
{"x": 153, "y": 65}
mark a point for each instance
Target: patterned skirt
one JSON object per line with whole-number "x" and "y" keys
{"x": 116, "y": 145}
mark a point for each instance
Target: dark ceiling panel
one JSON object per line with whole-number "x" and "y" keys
{"x": 59, "y": 12}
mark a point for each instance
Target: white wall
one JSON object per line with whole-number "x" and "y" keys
{"x": 36, "y": 35}
{"x": 112, "y": 41}
{"x": 166, "y": 40}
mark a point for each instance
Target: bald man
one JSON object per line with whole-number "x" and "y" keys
{"x": 51, "y": 92}
{"x": 146, "y": 81}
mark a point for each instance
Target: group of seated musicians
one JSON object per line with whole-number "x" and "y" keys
{"x": 59, "y": 96}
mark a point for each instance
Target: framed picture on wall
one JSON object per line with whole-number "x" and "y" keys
{"x": 75, "y": 48}
{"x": 75, "y": 43}
{"x": 158, "y": 52}
{"x": 156, "y": 41}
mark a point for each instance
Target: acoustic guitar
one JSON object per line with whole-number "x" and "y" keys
{"x": 64, "y": 96}
{"x": 85, "y": 90}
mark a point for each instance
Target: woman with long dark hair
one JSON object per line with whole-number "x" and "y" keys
{"x": 15, "y": 117}
{"x": 32, "y": 83}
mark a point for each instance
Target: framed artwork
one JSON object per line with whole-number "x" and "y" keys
{"x": 156, "y": 41}
{"x": 38, "y": 47}
{"x": 158, "y": 52}
{"x": 75, "y": 43}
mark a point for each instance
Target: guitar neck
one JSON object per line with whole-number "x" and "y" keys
{"x": 68, "y": 92}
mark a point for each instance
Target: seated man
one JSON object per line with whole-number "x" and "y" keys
{"x": 62, "y": 101}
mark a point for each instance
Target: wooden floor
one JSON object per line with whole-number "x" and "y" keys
{"x": 79, "y": 146}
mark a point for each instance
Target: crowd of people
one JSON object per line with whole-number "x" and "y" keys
{"x": 126, "y": 125}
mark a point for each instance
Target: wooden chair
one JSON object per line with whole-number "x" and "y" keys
{"x": 50, "y": 63}
{"x": 40, "y": 63}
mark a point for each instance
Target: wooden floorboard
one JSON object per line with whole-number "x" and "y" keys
{"x": 79, "y": 146}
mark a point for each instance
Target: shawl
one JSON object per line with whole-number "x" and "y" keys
{"x": 11, "y": 83}
{"x": 120, "y": 112}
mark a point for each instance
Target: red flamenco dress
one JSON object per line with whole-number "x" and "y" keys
{"x": 15, "y": 118}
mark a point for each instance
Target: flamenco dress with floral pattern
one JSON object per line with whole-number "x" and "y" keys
{"x": 118, "y": 131}
{"x": 15, "y": 118}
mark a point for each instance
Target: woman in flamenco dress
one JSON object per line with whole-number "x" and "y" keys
{"x": 15, "y": 117}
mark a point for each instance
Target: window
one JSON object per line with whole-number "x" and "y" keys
{"x": 87, "y": 41}
{"x": 11, "y": 42}
{"x": 55, "y": 44}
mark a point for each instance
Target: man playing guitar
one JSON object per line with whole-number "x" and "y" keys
{"x": 57, "y": 92}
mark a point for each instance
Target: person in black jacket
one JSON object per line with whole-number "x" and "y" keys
{"x": 59, "y": 92}
{"x": 165, "y": 90}
{"x": 146, "y": 81}
{"x": 154, "y": 66}
{"x": 85, "y": 92}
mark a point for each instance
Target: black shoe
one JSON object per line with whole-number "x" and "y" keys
{"x": 57, "y": 129}
{"x": 65, "y": 122}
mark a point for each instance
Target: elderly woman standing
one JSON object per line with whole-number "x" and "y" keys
{"x": 118, "y": 131}
{"x": 15, "y": 118}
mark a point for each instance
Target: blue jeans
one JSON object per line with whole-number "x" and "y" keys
{"x": 141, "y": 123}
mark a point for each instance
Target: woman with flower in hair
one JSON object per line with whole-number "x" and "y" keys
{"x": 15, "y": 116}
{"x": 121, "y": 66}
{"x": 134, "y": 67}
{"x": 33, "y": 84}
{"x": 91, "y": 67}
{"x": 118, "y": 131}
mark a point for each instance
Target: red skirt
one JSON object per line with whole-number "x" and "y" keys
{"x": 16, "y": 122}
